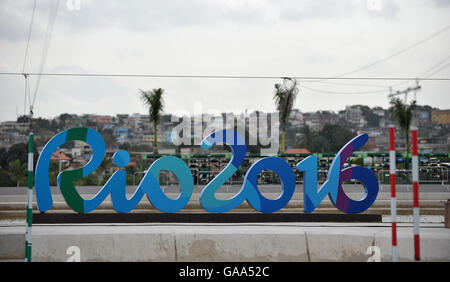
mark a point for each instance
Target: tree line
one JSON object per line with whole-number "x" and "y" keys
{"x": 13, "y": 165}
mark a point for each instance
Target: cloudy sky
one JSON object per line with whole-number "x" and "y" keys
{"x": 233, "y": 37}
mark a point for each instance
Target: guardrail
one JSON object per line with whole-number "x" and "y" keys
{"x": 427, "y": 174}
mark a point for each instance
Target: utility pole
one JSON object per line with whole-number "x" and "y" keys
{"x": 29, "y": 214}
{"x": 405, "y": 92}
{"x": 417, "y": 88}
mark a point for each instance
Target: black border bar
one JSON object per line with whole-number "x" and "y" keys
{"x": 60, "y": 218}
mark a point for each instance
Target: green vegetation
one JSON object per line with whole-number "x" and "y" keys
{"x": 18, "y": 172}
{"x": 402, "y": 114}
{"x": 154, "y": 101}
{"x": 284, "y": 96}
{"x": 13, "y": 165}
{"x": 329, "y": 139}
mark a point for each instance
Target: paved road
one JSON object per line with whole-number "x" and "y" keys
{"x": 4, "y": 191}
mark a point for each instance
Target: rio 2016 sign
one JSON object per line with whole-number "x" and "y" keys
{"x": 116, "y": 185}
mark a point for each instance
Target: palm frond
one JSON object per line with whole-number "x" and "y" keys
{"x": 284, "y": 97}
{"x": 154, "y": 101}
{"x": 402, "y": 113}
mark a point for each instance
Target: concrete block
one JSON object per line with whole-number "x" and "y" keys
{"x": 12, "y": 243}
{"x": 103, "y": 243}
{"x": 434, "y": 244}
{"x": 339, "y": 244}
{"x": 222, "y": 242}
{"x": 241, "y": 244}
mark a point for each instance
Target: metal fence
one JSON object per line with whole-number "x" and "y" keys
{"x": 165, "y": 177}
{"x": 427, "y": 174}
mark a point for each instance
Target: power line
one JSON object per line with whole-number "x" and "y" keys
{"x": 440, "y": 62}
{"x": 318, "y": 79}
{"x": 27, "y": 90}
{"x": 433, "y": 70}
{"x": 393, "y": 78}
{"x": 421, "y": 76}
{"x": 48, "y": 35}
{"x": 348, "y": 84}
{"x": 438, "y": 70}
{"x": 29, "y": 35}
{"x": 344, "y": 93}
{"x": 397, "y": 53}
{"x": 392, "y": 56}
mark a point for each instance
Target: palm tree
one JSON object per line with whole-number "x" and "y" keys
{"x": 284, "y": 97}
{"x": 154, "y": 101}
{"x": 403, "y": 114}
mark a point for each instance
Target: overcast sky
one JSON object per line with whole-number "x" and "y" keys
{"x": 232, "y": 37}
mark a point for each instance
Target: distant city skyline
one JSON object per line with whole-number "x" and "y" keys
{"x": 245, "y": 37}
{"x": 263, "y": 128}
{"x": 214, "y": 113}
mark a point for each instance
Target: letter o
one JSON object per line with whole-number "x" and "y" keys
{"x": 287, "y": 177}
{"x": 154, "y": 193}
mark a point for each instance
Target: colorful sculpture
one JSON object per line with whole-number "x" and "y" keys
{"x": 116, "y": 185}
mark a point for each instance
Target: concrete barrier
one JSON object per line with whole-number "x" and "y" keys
{"x": 223, "y": 242}
{"x": 338, "y": 244}
{"x": 434, "y": 246}
{"x": 12, "y": 243}
{"x": 242, "y": 243}
{"x": 99, "y": 244}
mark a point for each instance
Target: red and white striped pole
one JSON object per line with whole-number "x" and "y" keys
{"x": 392, "y": 161}
{"x": 415, "y": 178}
